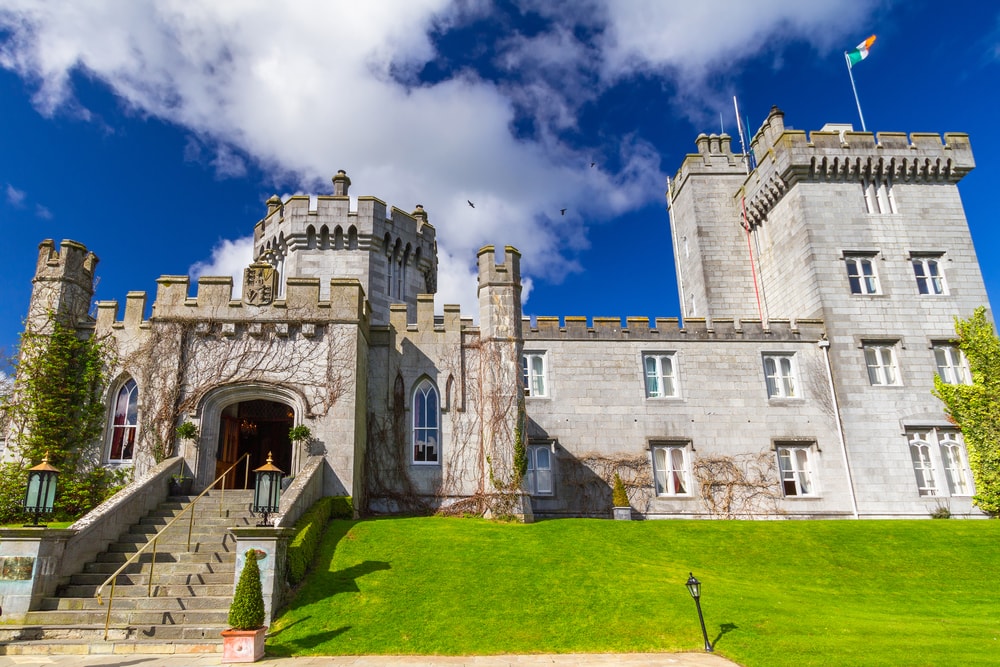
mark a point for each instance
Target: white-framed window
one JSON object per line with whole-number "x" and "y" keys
{"x": 939, "y": 453}
{"x": 661, "y": 374}
{"x": 861, "y": 274}
{"x": 538, "y": 479}
{"x": 671, "y": 469}
{"x": 780, "y": 375}
{"x": 426, "y": 424}
{"x": 881, "y": 361}
{"x": 951, "y": 364}
{"x": 929, "y": 274}
{"x": 879, "y": 197}
{"x": 534, "y": 366}
{"x": 795, "y": 465}
{"x": 124, "y": 423}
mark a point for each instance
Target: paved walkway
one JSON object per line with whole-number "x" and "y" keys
{"x": 586, "y": 660}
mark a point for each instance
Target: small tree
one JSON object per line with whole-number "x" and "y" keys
{"x": 619, "y": 497}
{"x": 56, "y": 407}
{"x": 975, "y": 408}
{"x": 247, "y": 610}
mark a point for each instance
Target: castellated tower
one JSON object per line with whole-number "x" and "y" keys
{"x": 502, "y": 392}
{"x": 394, "y": 256}
{"x": 63, "y": 284}
{"x": 710, "y": 248}
{"x": 865, "y": 232}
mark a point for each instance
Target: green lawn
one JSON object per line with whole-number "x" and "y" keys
{"x": 774, "y": 592}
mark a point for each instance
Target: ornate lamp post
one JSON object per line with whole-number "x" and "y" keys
{"x": 41, "y": 494}
{"x": 266, "y": 490}
{"x": 694, "y": 588}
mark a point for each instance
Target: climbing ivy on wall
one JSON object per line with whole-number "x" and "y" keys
{"x": 975, "y": 408}
{"x": 56, "y": 408}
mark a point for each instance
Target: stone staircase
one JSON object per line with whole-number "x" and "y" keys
{"x": 190, "y": 595}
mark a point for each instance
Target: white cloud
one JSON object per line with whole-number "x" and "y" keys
{"x": 229, "y": 258}
{"x": 15, "y": 197}
{"x": 310, "y": 87}
{"x": 43, "y": 212}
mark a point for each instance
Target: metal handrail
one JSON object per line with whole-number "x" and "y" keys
{"x": 113, "y": 579}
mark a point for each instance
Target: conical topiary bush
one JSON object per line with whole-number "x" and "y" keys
{"x": 247, "y": 610}
{"x": 619, "y": 497}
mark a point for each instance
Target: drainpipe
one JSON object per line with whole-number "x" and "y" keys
{"x": 825, "y": 346}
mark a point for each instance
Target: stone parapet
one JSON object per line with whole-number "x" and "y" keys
{"x": 213, "y": 304}
{"x": 785, "y": 157}
{"x": 669, "y": 328}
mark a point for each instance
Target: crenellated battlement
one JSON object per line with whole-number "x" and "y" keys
{"x": 214, "y": 303}
{"x": 839, "y": 154}
{"x": 71, "y": 262}
{"x": 326, "y": 222}
{"x": 507, "y": 272}
{"x": 670, "y": 329}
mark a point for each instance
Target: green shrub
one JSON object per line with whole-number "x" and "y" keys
{"x": 309, "y": 531}
{"x": 247, "y": 610}
{"x": 618, "y": 494}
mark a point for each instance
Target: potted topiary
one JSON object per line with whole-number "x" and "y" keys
{"x": 244, "y": 640}
{"x": 619, "y": 498}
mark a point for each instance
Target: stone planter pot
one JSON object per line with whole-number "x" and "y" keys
{"x": 243, "y": 645}
{"x": 180, "y": 487}
{"x": 622, "y": 513}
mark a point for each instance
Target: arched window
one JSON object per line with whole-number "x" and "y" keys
{"x": 123, "y": 424}
{"x": 426, "y": 424}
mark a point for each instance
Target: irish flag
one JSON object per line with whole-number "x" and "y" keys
{"x": 860, "y": 52}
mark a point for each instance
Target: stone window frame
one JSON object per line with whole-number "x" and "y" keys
{"x": 939, "y": 453}
{"x": 858, "y": 282}
{"x": 422, "y": 425}
{"x": 952, "y": 366}
{"x": 875, "y": 362}
{"x": 532, "y": 476}
{"x": 531, "y": 376}
{"x": 661, "y": 378}
{"x": 123, "y": 435}
{"x": 797, "y": 461}
{"x": 666, "y": 472}
{"x": 928, "y": 271}
{"x": 781, "y": 385}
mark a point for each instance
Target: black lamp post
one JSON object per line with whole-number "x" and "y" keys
{"x": 694, "y": 588}
{"x": 41, "y": 494}
{"x": 267, "y": 490}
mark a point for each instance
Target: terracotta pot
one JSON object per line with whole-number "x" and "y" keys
{"x": 243, "y": 645}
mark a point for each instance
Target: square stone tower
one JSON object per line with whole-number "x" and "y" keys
{"x": 866, "y": 232}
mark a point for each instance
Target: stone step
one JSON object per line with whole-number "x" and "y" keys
{"x": 121, "y": 603}
{"x": 169, "y": 557}
{"x": 153, "y": 524}
{"x": 83, "y": 634}
{"x": 174, "y": 542}
{"x": 162, "y": 568}
{"x": 95, "y": 579}
{"x": 160, "y": 589}
{"x": 121, "y": 617}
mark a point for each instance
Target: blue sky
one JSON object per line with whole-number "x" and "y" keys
{"x": 153, "y": 132}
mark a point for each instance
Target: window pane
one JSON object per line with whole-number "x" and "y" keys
{"x": 679, "y": 470}
{"x": 660, "y": 469}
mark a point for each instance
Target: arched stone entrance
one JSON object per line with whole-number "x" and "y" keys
{"x": 253, "y": 419}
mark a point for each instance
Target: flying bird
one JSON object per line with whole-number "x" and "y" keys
{"x": 471, "y": 205}
{"x": 562, "y": 211}
{"x": 592, "y": 164}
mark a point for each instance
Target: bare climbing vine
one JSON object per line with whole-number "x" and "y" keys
{"x": 176, "y": 364}
{"x": 743, "y": 486}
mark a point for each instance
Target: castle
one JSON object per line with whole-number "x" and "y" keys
{"x": 818, "y": 290}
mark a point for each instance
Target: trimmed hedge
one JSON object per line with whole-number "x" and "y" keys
{"x": 309, "y": 531}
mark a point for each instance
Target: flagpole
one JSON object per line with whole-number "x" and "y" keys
{"x": 850, "y": 73}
